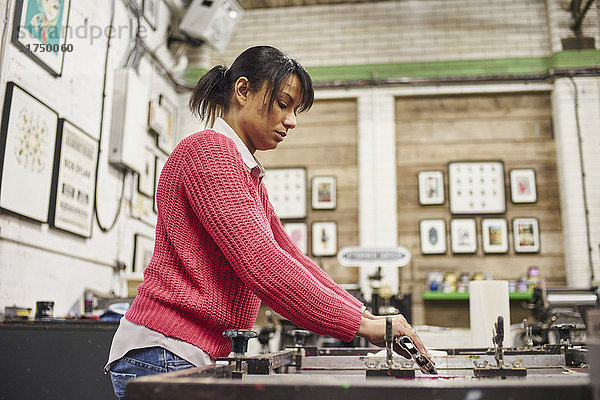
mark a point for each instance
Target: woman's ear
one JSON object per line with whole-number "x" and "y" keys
{"x": 241, "y": 90}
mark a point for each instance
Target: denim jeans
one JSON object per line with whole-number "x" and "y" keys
{"x": 141, "y": 362}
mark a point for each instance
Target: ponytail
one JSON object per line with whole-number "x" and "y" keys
{"x": 210, "y": 97}
{"x": 259, "y": 64}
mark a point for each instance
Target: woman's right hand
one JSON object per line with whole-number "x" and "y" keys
{"x": 373, "y": 329}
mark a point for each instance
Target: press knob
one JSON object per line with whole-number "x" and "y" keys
{"x": 239, "y": 339}
{"x": 299, "y": 336}
{"x": 564, "y": 332}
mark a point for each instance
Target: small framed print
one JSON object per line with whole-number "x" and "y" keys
{"x": 159, "y": 163}
{"x": 526, "y": 235}
{"x": 146, "y": 176}
{"x": 150, "y": 11}
{"x": 464, "y": 235}
{"x": 323, "y": 193}
{"x": 40, "y": 31}
{"x": 476, "y": 187}
{"x": 27, "y": 148}
{"x": 433, "y": 236}
{"x": 522, "y": 186}
{"x": 143, "y": 247}
{"x": 298, "y": 232}
{"x": 287, "y": 191}
{"x": 494, "y": 235}
{"x": 324, "y": 238}
{"x": 163, "y": 121}
{"x": 431, "y": 187}
{"x": 73, "y": 180}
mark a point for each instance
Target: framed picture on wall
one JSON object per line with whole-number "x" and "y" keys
{"x": 433, "y": 236}
{"x": 431, "y": 187}
{"x": 159, "y": 163}
{"x": 146, "y": 176}
{"x": 150, "y": 11}
{"x": 476, "y": 187}
{"x": 162, "y": 120}
{"x": 298, "y": 231}
{"x": 526, "y": 234}
{"x": 40, "y": 32}
{"x": 73, "y": 180}
{"x": 463, "y": 234}
{"x": 494, "y": 235}
{"x": 323, "y": 192}
{"x": 143, "y": 247}
{"x": 522, "y": 186}
{"x": 27, "y": 144}
{"x": 287, "y": 191}
{"x": 324, "y": 238}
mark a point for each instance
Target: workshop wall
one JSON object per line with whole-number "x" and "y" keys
{"x": 325, "y": 143}
{"x": 399, "y": 31}
{"x": 515, "y": 128}
{"x": 453, "y": 39}
{"x": 41, "y": 263}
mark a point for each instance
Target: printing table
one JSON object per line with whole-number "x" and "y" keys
{"x": 310, "y": 373}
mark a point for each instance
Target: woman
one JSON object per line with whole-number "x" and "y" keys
{"x": 219, "y": 247}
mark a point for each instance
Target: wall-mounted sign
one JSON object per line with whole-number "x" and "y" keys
{"x": 377, "y": 257}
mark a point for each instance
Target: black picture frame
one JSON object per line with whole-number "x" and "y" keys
{"x": 73, "y": 180}
{"x": 324, "y": 192}
{"x": 28, "y": 191}
{"x": 36, "y": 48}
{"x": 476, "y": 187}
{"x": 526, "y": 235}
{"x": 433, "y": 236}
{"x": 523, "y": 187}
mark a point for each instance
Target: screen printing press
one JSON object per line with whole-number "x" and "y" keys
{"x": 540, "y": 372}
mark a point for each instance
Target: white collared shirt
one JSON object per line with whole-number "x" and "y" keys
{"x": 253, "y": 165}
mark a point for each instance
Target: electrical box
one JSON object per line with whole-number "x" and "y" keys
{"x": 129, "y": 121}
{"x": 212, "y": 21}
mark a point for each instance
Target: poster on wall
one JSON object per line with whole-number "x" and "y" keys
{"x": 143, "y": 247}
{"x": 433, "y": 236}
{"x": 476, "y": 187}
{"x": 159, "y": 163}
{"x": 146, "y": 176}
{"x": 73, "y": 181}
{"x": 494, "y": 235}
{"x": 298, "y": 232}
{"x": 165, "y": 115}
{"x": 287, "y": 191}
{"x": 522, "y": 186}
{"x": 323, "y": 192}
{"x": 431, "y": 187}
{"x": 324, "y": 238}
{"x": 464, "y": 235}
{"x": 27, "y": 142}
{"x": 526, "y": 235}
{"x": 40, "y": 32}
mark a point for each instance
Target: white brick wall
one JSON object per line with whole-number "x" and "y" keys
{"x": 560, "y": 21}
{"x": 398, "y": 31}
{"x": 39, "y": 263}
{"x": 576, "y": 226}
{"x": 377, "y": 181}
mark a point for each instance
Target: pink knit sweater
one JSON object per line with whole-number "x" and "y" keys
{"x": 220, "y": 249}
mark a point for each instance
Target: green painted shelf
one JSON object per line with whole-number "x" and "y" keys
{"x": 465, "y": 296}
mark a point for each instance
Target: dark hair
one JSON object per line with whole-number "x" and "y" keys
{"x": 212, "y": 94}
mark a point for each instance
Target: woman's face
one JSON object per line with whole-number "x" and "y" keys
{"x": 264, "y": 130}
